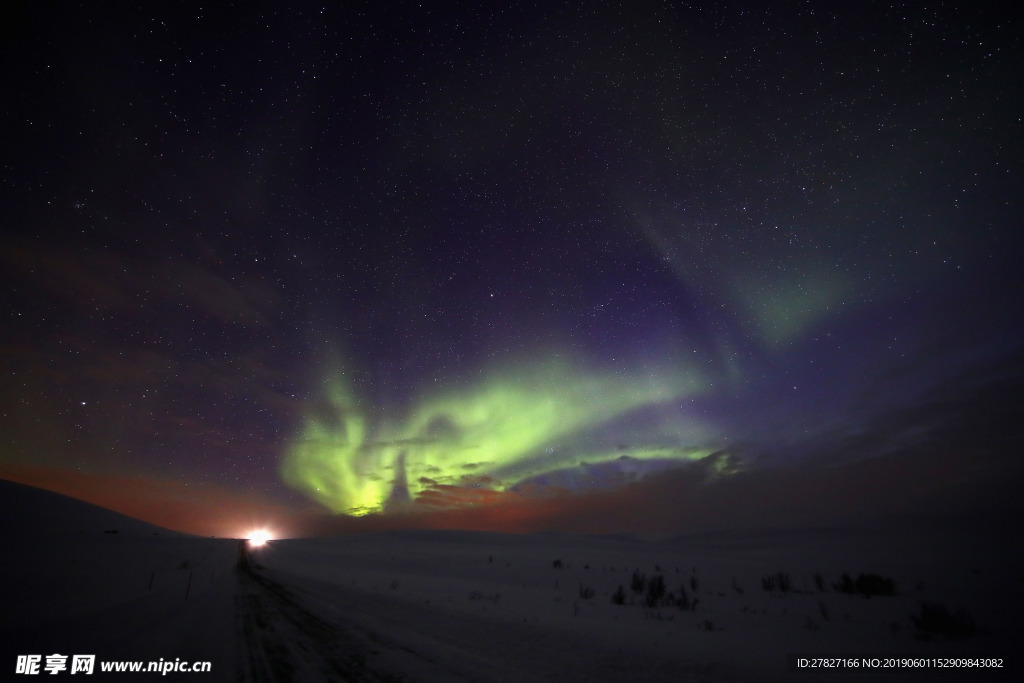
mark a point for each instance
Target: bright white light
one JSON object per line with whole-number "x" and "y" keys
{"x": 258, "y": 537}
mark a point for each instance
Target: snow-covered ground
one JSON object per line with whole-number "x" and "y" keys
{"x": 468, "y": 606}
{"x": 476, "y": 606}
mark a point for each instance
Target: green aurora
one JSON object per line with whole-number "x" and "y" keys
{"x": 511, "y": 425}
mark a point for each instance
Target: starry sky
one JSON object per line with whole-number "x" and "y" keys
{"x": 597, "y": 266}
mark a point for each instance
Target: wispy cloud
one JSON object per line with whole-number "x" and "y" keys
{"x": 107, "y": 279}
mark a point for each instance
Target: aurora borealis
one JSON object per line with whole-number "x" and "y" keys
{"x": 516, "y": 426}
{"x": 578, "y": 265}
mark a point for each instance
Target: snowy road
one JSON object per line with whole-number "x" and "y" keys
{"x": 281, "y": 639}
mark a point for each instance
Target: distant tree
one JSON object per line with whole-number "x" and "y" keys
{"x": 638, "y": 582}
{"x": 655, "y": 590}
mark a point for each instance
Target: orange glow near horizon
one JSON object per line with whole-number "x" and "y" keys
{"x": 200, "y": 510}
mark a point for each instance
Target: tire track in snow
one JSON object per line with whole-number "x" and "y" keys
{"x": 281, "y": 640}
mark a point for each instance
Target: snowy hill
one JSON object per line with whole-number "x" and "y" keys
{"x": 74, "y": 586}
{"x": 36, "y": 512}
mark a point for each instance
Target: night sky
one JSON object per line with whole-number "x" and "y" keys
{"x": 552, "y": 265}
